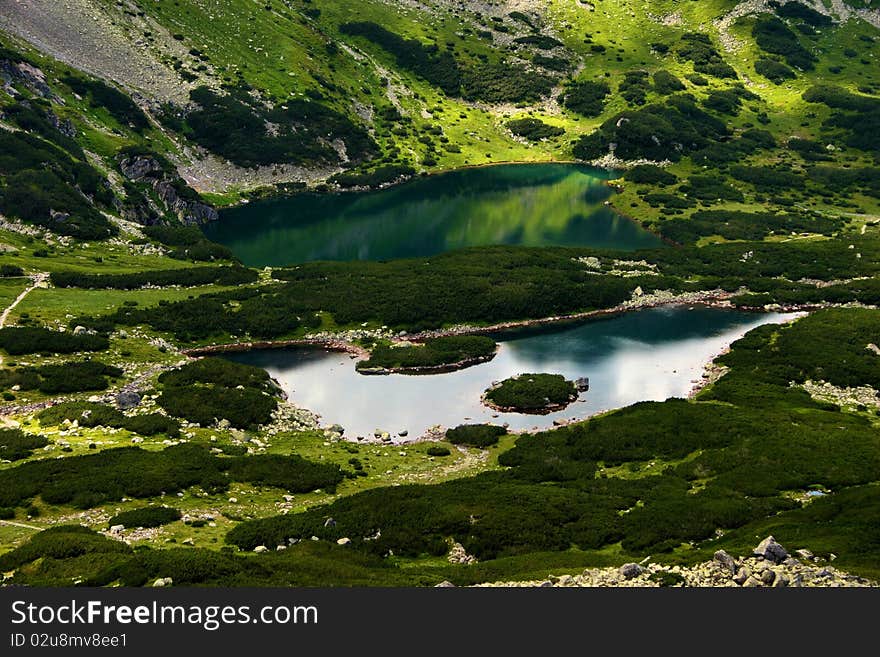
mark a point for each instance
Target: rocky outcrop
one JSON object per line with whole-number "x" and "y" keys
{"x": 170, "y": 194}
{"x": 769, "y": 566}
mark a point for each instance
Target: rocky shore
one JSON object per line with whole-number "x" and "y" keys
{"x": 769, "y": 565}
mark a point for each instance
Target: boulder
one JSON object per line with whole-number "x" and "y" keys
{"x": 127, "y": 399}
{"x": 751, "y": 582}
{"x": 115, "y": 529}
{"x": 726, "y": 561}
{"x": 770, "y": 550}
{"x": 630, "y": 570}
{"x": 768, "y": 577}
{"x": 343, "y": 541}
{"x": 445, "y": 584}
{"x": 261, "y": 548}
{"x": 741, "y": 577}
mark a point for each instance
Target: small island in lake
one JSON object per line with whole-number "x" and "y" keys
{"x": 444, "y": 354}
{"x": 531, "y": 393}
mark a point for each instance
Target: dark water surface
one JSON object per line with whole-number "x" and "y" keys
{"x": 520, "y": 204}
{"x": 649, "y": 354}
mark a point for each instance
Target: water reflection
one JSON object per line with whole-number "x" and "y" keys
{"x": 532, "y": 205}
{"x": 647, "y": 355}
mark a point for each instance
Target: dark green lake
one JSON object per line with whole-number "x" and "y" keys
{"x": 520, "y": 204}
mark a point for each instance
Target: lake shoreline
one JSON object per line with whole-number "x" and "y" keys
{"x": 710, "y": 299}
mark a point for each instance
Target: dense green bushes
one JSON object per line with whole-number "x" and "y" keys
{"x": 213, "y": 389}
{"x": 534, "y": 129}
{"x": 634, "y": 87}
{"x": 773, "y": 36}
{"x": 655, "y": 132}
{"x": 62, "y": 542}
{"x": 89, "y": 480}
{"x": 148, "y": 516}
{"x": 698, "y": 48}
{"x": 432, "y": 353}
{"x": 16, "y": 445}
{"x": 586, "y": 97}
{"x": 42, "y": 186}
{"x": 428, "y": 62}
{"x": 649, "y": 174}
{"x": 20, "y": 340}
{"x": 76, "y": 376}
{"x": 489, "y": 81}
{"x": 191, "y": 276}
{"x": 94, "y": 414}
{"x": 291, "y": 473}
{"x": 532, "y": 393}
{"x": 776, "y": 72}
{"x": 99, "y": 94}
{"x": 383, "y": 175}
{"x": 235, "y": 127}
{"x": 734, "y": 225}
{"x": 475, "y": 435}
{"x": 188, "y": 242}
{"x": 666, "y": 83}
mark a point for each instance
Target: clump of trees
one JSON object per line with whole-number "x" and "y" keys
{"x": 148, "y": 516}
{"x": 586, "y": 97}
{"x": 532, "y": 393}
{"x": 773, "y": 36}
{"x": 188, "y": 277}
{"x": 188, "y": 243}
{"x": 16, "y": 444}
{"x": 213, "y": 389}
{"x": 19, "y": 340}
{"x": 475, "y": 435}
{"x": 436, "y": 352}
{"x": 534, "y": 129}
{"x": 92, "y": 479}
{"x": 94, "y": 414}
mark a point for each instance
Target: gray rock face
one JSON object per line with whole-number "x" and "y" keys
{"x": 770, "y": 550}
{"x": 127, "y": 399}
{"x": 171, "y": 191}
{"x": 725, "y": 561}
{"x": 630, "y": 570}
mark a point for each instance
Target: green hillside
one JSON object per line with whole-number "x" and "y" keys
{"x": 746, "y": 138}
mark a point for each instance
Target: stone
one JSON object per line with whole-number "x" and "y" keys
{"x": 630, "y": 570}
{"x": 261, "y": 548}
{"x": 79, "y": 330}
{"x": 545, "y": 584}
{"x": 770, "y": 550}
{"x": 127, "y": 399}
{"x": 330, "y": 522}
{"x": 741, "y": 577}
{"x": 188, "y": 541}
{"x": 768, "y": 577}
{"x": 343, "y": 541}
{"x": 116, "y": 529}
{"x": 805, "y": 554}
{"x": 163, "y": 581}
{"x": 781, "y": 581}
{"x": 751, "y": 582}
{"x": 445, "y": 584}
{"x": 726, "y": 561}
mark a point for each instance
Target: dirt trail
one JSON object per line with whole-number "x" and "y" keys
{"x": 36, "y": 281}
{"x": 22, "y": 525}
